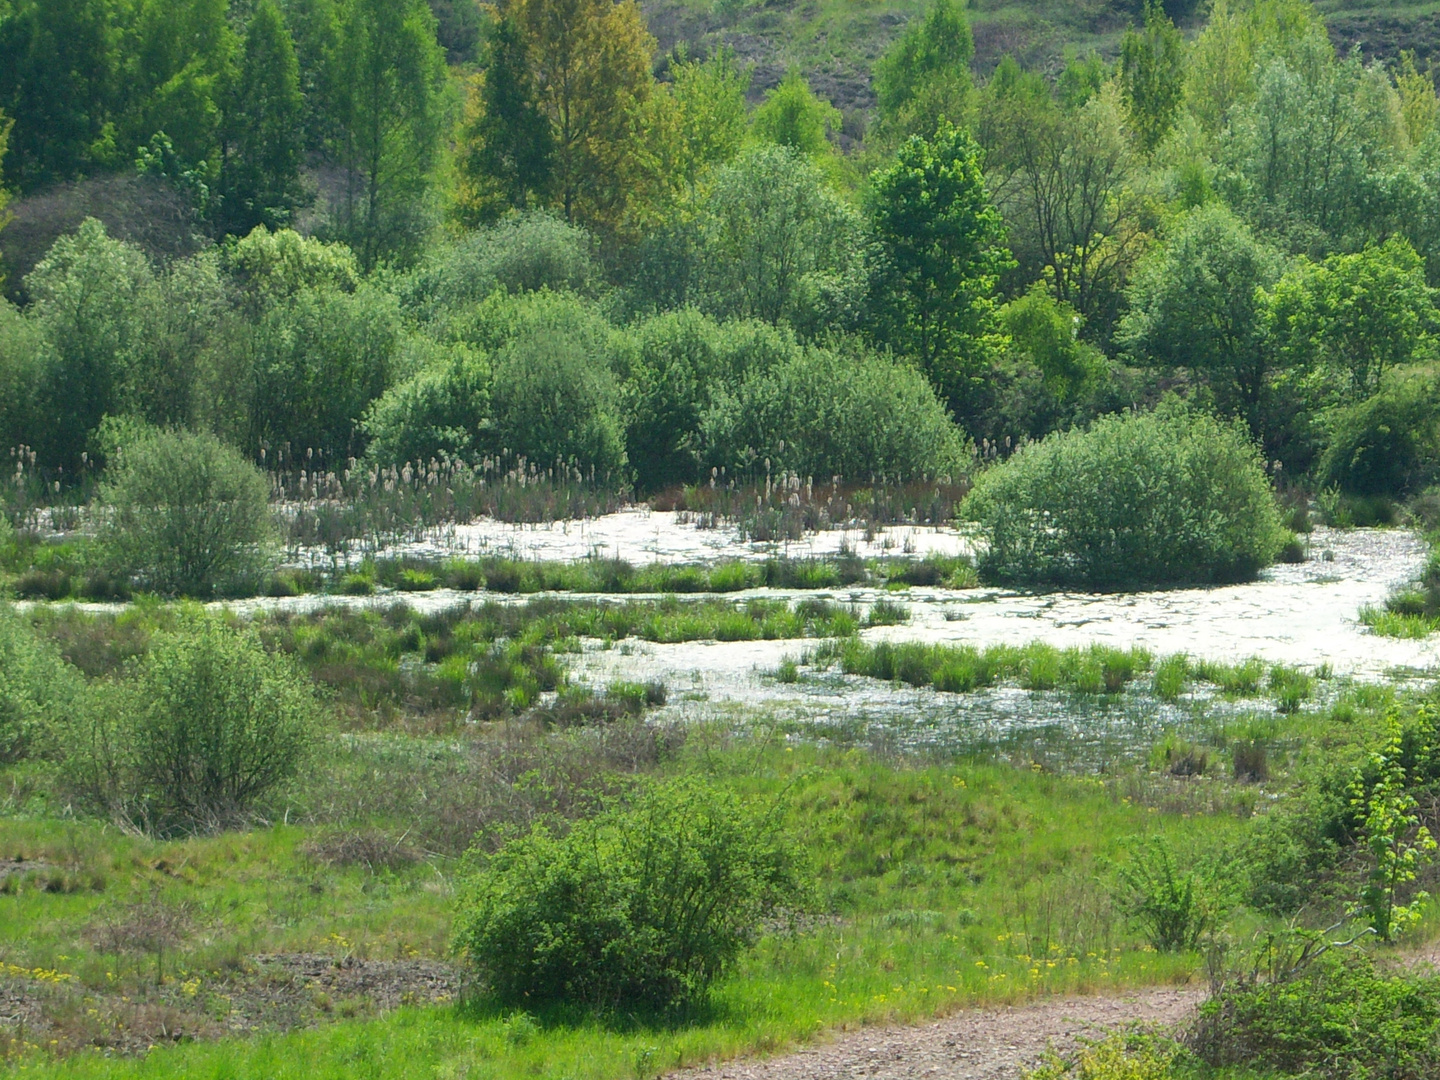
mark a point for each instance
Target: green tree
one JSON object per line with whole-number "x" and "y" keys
{"x": 5, "y": 216}
{"x": 778, "y": 244}
{"x": 792, "y": 116}
{"x": 1357, "y": 315}
{"x": 710, "y": 107}
{"x": 943, "y": 249}
{"x": 59, "y": 73}
{"x": 506, "y": 152}
{"x": 85, "y": 295}
{"x": 1152, "y": 76}
{"x": 924, "y": 76}
{"x": 1198, "y": 303}
{"x": 177, "y": 63}
{"x": 389, "y": 73}
{"x": 589, "y": 66}
{"x": 260, "y": 169}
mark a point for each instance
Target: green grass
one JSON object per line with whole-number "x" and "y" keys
{"x": 1408, "y": 625}
{"x": 939, "y": 886}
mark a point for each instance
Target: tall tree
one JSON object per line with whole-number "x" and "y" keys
{"x": 924, "y": 77}
{"x": 388, "y": 73}
{"x": 1198, "y": 304}
{"x": 260, "y": 170}
{"x": 791, "y": 115}
{"x": 943, "y": 245}
{"x": 710, "y": 108}
{"x": 589, "y": 64}
{"x": 506, "y": 153}
{"x": 1152, "y": 76}
{"x": 59, "y": 64}
{"x": 1358, "y": 315}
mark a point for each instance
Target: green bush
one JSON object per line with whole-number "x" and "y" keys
{"x": 823, "y": 413}
{"x": 186, "y": 515}
{"x": 1386, "y": 445}
{"x": 1164, "y": 498}
{"x": 1174, "y": 908}
{"x": 204, "y": 726}
{"x": 640, "y": 907}
{"x": 37, "y": 688}
{"x": 1337, "y": 1018}
{"x": 440, "y": 411}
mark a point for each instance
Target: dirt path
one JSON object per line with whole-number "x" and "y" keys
{"x": 994, "y": 1044}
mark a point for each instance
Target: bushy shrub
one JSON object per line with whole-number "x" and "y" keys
{"x": 1386, "y": 445}
{"x": 1170, "y": 497}
{"x": 554, "y": 395}
{"x": 439, "y": 411}
{"x": 1174, "y": 906}
{"x": 203, "y": 727}
{"x": 1337, "y": 1018}
{"x": 524, "y": 253}
{"x": 37, "y": 688}
{"x": 271, "y": 267}
{"x": 824, "y": 412}
{"x": 675, "y": 365}
{"x": 186, "y": 515}
{"x": 639, "y": 907}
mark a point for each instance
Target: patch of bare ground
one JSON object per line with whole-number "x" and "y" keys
{"x": 275, "y": 992}
{"x": 977, "y": 1044}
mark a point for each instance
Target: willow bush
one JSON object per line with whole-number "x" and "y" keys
{"x": 1171, "y": 497}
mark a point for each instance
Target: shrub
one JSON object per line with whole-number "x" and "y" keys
{"x": 437, "y": 412}
{"x": 203, "y": 727}
{"x": 187, "y": 515}
{"x": 639, "y": 907}
{"x": 1336, "y": 1018}
{"x": 555, "y": 398}
{"x": 1386, "y": 445}
{"x": 37, "y": 688}
{"x": 1114, "y": 1058}
{"x": 1170, "y": 497}
{"x": 824, "y": 413}
{"x": 1173, "y": 908}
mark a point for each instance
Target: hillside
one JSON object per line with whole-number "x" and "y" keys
{"x": 835, "y": 42}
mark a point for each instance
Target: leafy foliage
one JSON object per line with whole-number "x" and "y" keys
{"x": 38, "y": 690}
{"x": 1164, "y": 497}
{"x": 187, "y": 515}
{"x": 641, "y": 907}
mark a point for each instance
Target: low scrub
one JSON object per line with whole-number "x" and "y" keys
{"x": 205, "y": 725}
{"x": 641, "y": 907}
{"x": 1163, "y": 498}
{"x": 187, "y": 515}
{"x": 37, "y": 688}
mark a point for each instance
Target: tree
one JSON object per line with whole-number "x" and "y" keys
{"x": 5, "y": 125}
{"x": 506, "y": 152}
{"x": 710, "y": 108}
{"x": 389, "y": 72}
{"x": 779, "y": 246}
{"x": 1152, "y": 76}
{"x": 1418, "y": 103}
{"x": 924, "y": 77}
{"x": 943, "y": 249}
{"x": 260, "y": 169}
{"x": 589, "y": 66}
{"x": 58, "y": 80}
{"x": 1357, "y": 315}
{"x": 1065, "y": 180}
{"x": 791, "y": 115}
{"x": 85, "y": 295}
{"x": 1198, "y": 303}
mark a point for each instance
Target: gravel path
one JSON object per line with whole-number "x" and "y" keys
{"x": 994, "y": 1044}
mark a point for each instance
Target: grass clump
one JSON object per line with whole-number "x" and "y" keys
{"x": 187, "y": 515}
{"x": 641, "y": 907}
{"x": 1164, "y": 498}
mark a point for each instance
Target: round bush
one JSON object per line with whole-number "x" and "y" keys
{"x": 37, "y": 688}
{"x": 641, "y": 907}
{"x": 823, "y": 413}
{"x": 187, "y": 515}
{"x": 1386, "y": 445}
{"x": 204, "y": 726}
{"x": 1164, "y": 498}
{"x": 438, "y": 412}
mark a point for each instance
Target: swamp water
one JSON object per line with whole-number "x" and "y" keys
{"x": 1303, "y": 615}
